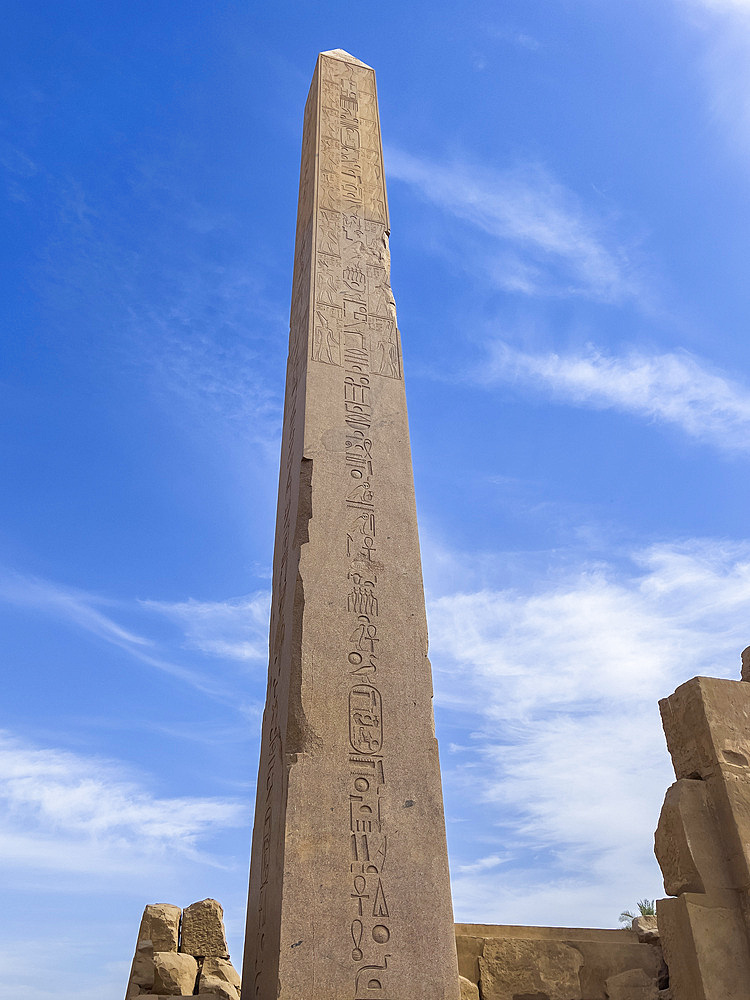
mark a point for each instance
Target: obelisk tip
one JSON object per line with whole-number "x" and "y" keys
{"x": 345, "y": 57}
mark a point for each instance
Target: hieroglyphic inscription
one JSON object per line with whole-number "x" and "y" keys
{"x": 355, "y": 329}
{"x": 349, "y": 778}
{"x": 353, "y": 298}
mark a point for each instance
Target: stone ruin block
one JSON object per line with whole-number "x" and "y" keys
{"x": 159, "y": 931}
{"x": 509, "y": 967}
{"x": 174, "y": 974}
{"x": 646, "y": 929}
{"x": 176, "y": 970}
{"x": 706, "y": 946}
{"x": 219, "y": 978}
{"x": 516, "y": 963}
{"x": 160, "y": 924}
{"x": 687, "y": 839}
{"x": 469, "y": 990}
{"x": 632, "y": 985}
{"x": 142, "y": 969}
{"x": 203, "y": 930}
{"x": 707, "y": 726}
{"x": 702, "y": 842}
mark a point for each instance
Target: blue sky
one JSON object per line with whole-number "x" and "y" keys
{"x": 569, "y": 195}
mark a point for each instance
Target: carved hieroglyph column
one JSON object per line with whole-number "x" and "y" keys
{"x": 349, "y": 889}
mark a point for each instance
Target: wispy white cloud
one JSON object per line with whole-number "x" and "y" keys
{"x": 69, "y": 603}
{"x": 567, "y": 763}
{"x": 521, "y": 39}
{"x": 209, "y": 345}
{"x": 73, "y": 813}
{"x": 676, "y": 389}
{"x": 235, "y": 628}
{"x": 725, "y": 27}
{"x": 546, "y": 241}
{"x": 730, "y": 6}
{"x": 230, "y": 629}
{"x": 482, "y": 865}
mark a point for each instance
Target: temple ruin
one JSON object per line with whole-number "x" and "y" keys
{"x": 349, "y": 893}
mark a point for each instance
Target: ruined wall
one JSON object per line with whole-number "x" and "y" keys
{"x": 558, "y": 963}
{"x": 183, "y": 953}
{"x": 703, "y": 839}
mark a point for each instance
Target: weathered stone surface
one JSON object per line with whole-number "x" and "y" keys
{"x": 703, "y": 840}
{"x": 647, "y": 929}
{"x": 219, "y": 988}
{"x": 349, "y": 768}
{"x": 221, "y": 968}
{"x": 469, "y": 990}
{"x": 160, "y": 924}
{"x": 632, "y": 985}
{"x": 707, "y": 725}
{"x": 174, "y": 974}
{"x": 605, "y": 953}
{"x": 705, "y": 946}
{"x": 203, "y": 930}
{"x": 142, "y": 969}
{"x": 219, "y": 978}
{"x": 513, "y": 967}
{"x": 688, "y": 842}
{"x": 746, "y": 664}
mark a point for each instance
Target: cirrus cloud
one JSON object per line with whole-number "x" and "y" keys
{"x": 671, "y": 388}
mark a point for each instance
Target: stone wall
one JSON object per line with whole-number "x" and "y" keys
{"x": 559, "y": 963}
{"x": 703, "y": 839}
{"x": 183, "y": 953}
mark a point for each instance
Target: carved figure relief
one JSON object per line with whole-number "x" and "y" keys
{"x": 327, "y": 287}
{"x": 326, "y": 346}
{"x": 328, "y": 233}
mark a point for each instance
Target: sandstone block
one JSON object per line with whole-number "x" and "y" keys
{"x": 218, "y": 988}
{"x": 160, "y": 924}
{"x": 707, "y": 726}
{"x": 174, "y": 974}
{"x": 647, "y": 929}
{"x": 632, "y": 985}
{"x": 705, "y": 946}
{"x": 222, "y": 968}
{"x": 219, "y": 978}
{"x": 203, "y": 930}
{"x": 510, "y": 968}
{"x": 688, "y": 843}
{"x": 469, "y": 990}
{"x": 142, "y": 969}
{"x": 745, "y": 656}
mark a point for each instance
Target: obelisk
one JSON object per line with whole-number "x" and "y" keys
{"x": 349, "y": 889}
